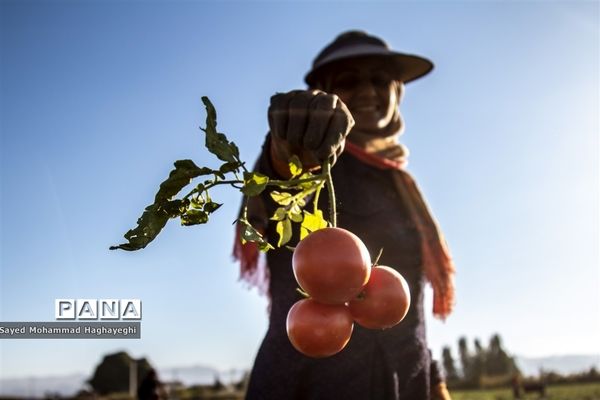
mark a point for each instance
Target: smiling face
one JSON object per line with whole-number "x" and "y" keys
{"x": 368, "y": 90}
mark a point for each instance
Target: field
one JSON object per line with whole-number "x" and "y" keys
{"x": 587, "y": 391}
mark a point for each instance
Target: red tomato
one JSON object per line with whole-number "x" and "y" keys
{"x": 319, "y": 330}
{"x": 384, "y": 300}
{"x": 332, "y": 265}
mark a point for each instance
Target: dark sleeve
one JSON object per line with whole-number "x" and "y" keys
{"x": 263, "y": 163}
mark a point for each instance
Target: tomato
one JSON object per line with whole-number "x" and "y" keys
{"x": 384, "y": 301}
{"x": 332, "y": 265}
{"x": 319, "y": 330}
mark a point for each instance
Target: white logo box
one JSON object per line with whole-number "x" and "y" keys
{"x": 93, "y": 309}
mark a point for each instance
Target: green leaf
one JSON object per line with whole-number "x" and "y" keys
{"x": 175, "y": 208}
{"x": 295, "y": 213}
{"x": 279, "y": 215}
{"x": 254, "y": 183}
{"x": 310, "y": 184}
{"x": 249, "y": 234}
{"x": 148, "y": 227}
{"x": 303, "y": 232}
{"x": 211, "y": 207}
{"x": 219, "y": 175}
{"x": 193, "y": 216}
{"x": 191, "y": 211}
{"x": 301, "y": 202}
{"x": 197, "y": 201}
{"x": 156, "y": 215}
{"x": 229, "y": 167}
{"x": 217, "y": 143}
{"x": 281, "y": 198}
{"x": 180, "y": 177}
{"x": 295, "y": 166}
{"x": 284, "y": 229}
{"x": 313, "y": 222}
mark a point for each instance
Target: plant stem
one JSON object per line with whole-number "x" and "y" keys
{"x": 230, "y": 182}
{"x": 242, "y": 164}
{"x": 378, "y": 257}
{"x": 245, "y": 208}
{"x": 295, "y": 182}
{"x": 316, "y": 199}
{"x": 331, "y": 192}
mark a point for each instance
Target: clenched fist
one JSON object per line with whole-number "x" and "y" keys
{"x": 308, "y": 123}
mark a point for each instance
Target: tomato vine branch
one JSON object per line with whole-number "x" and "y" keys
{"x": 196, "y": 206}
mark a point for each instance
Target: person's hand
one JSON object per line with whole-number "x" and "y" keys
{"x": 440, "y": 392}
{"x": 308, "y": 123}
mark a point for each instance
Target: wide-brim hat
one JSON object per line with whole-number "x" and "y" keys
{"x": 358, "y": 44}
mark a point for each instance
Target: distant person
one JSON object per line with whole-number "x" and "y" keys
{"x": 151, "y": 388}
{"x": 516, "y": 386}
{"x": 350, "y": 112}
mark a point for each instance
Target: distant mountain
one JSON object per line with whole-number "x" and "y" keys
{"x": 199, "y": 375}
{"x": 68, "y": 385}
{"x": 568, "y": 364}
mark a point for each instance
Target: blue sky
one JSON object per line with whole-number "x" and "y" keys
{"x": 99, "y": 98}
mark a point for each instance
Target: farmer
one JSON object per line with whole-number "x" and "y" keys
{"x": 350, "y": 114}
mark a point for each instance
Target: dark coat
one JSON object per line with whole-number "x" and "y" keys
{"x": 376, "y": 364}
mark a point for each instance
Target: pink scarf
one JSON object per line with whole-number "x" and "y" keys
{"x": 437, "y": 263}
